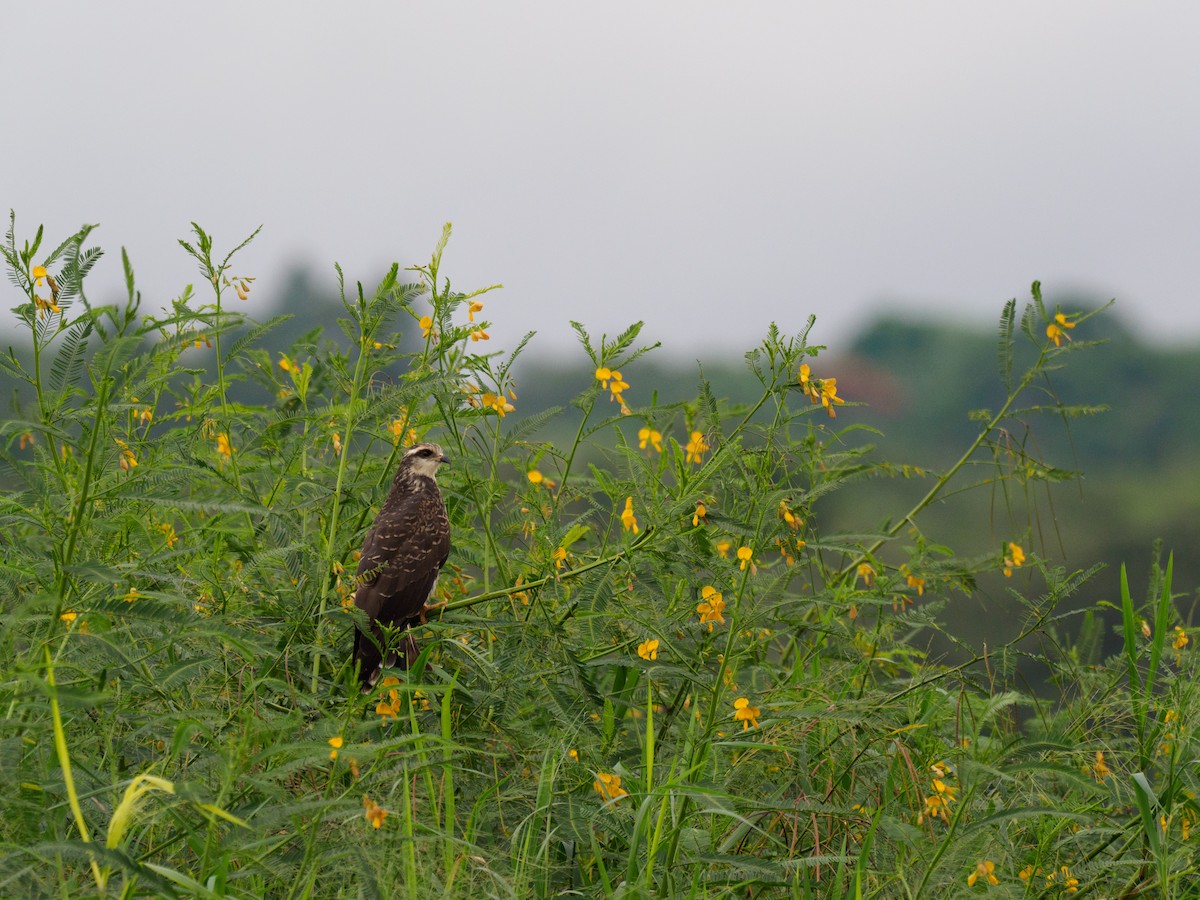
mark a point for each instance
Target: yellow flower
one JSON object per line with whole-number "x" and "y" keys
{"x": 866, "y": 573}
{"x": 945, "y": 790}
{"x": 374, "y": 812}
{"x": 985, "y": 869}
{"x": 43, "y": 305}
{"x": 651, "y": 437}
{"x": 820, "y": 390}
{"x": 611, "y": 380}
{"x": 574, "y": 754}
{"x": 745, "y": 713}
{"x": 695, "y": 447}
{"x": 1064, "y": 879}
{"x": 479, "y": 335}
{"x": 131, "y": 595}
{"x": 918, "y": 583}
{"x": 396, "y": 427}
{"x": 126, "y": 460}
{"x": 628, "y": 519}
{"x": 1016, "y": 556}
{"x": 389, "y": 705}
{"x": 616, "y": 386}
{"x": 1057, "y": 330}
{"x": 937, "y": 804}
{"x": 1026, "y": 873}
{"x": 1181, "y": 638}
{"x": 811, "y": 387}
{"x": 648, "y": 649}
{"x": 700, "y": 515}
{"x": 168, "y": 531}
{"x": 788, "y": 516}
{"x": 426, "y": 323}
{"x": 69, "y": 616}
{"x": 1100, "y": 769}
{"x": 608, "y": 786}
{"x": 39, "y": 276}
{"x": 743, "y": 555}
{"x": 336, "y": 744}
{"x": 1165, "y": 748}
{"x": 805, "y": 381}
{"x": 723, "y": 548}
{"x": 224, "y": 448}
{"x": 287, "y": 365}
{"x": 535, "y": 477}
{"x": 829, "y": 396}
{"x": 473, "y": 307}
{"x": 27, "y": 439}
{"x": 711, "y": 606}
{"x": 337, "y": 442}
{"x": 559, "y": 554}
{"x": 497, "y": 402}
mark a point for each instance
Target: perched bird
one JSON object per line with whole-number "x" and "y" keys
{"x": 401, "y": 557}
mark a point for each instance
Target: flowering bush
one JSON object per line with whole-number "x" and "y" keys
{"x": 621, "y": 687}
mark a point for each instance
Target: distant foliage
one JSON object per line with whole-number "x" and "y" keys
{"x": 650, "y": 671}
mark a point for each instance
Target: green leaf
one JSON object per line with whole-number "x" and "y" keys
{"x": 1007, "y": 319}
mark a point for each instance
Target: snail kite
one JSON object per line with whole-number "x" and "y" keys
{"x": 401, "y": 557}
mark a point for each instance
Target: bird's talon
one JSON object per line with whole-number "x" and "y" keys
{"x": 430, "y": 608}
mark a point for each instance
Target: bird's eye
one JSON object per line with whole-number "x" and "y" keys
{"x": 425, "y": 453}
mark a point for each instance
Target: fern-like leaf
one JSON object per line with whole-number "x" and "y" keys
{"x": 1007, "y": 321}
{"x": 230, "y": 254}
{"x": 256, "y": 332}
{"x": 68, "y": 364}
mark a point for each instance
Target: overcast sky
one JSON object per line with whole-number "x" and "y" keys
{"x": 707, "y": 167}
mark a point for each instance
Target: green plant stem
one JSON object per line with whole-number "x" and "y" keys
{"x": 222, "y": 388}
{"x": 472, "y": 487}
{"x": 934, "y": 491}
{"x": 566, "y": 473}
{"x": 331, "y": 534}
{"x": 943, "y": 845}
{"x": 467, "y": 602}
{"x": 64, "y": 762}
{"x": 893, "y": 699}
{"x": 699, "y": 749}
{"x": 80, "y": 513}
{"x": 767, "y": 394}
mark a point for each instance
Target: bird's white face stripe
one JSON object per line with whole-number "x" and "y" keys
{"x": 424, "y": 459}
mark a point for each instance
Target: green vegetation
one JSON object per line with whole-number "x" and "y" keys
{"x": 657, "y": 669}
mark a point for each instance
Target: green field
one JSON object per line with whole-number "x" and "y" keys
{"x": 668, "y": 661}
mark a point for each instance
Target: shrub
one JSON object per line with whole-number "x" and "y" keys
{"x": 650, "y": 670}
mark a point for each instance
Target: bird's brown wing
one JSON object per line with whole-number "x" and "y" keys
{"x": 402, "y": 555}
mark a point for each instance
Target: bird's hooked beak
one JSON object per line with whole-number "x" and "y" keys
{"x": 445, "y": 460}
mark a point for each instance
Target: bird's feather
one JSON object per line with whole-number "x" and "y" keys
{"x": 402, "y": 555}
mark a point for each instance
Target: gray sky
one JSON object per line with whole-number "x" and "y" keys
{"x": 707, "y": 167}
